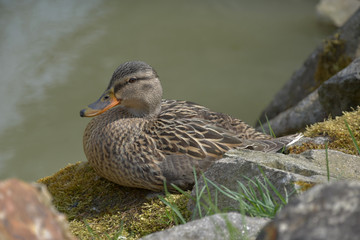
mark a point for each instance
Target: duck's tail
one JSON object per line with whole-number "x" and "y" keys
{"x": 270, "y": 145}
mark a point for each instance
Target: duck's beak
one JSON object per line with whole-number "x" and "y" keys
{"x": 105, "y": 102}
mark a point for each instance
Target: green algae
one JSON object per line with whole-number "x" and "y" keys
{"x": 107, "y": 209}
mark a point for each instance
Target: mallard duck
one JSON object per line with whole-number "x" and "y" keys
{"x": 138, "y": 139}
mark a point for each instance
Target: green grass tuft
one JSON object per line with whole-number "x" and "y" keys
{"x": 256, "y": 198}
{"x": 272, "y": 133}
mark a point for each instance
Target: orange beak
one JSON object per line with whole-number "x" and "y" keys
{"x": 105, "y": 102}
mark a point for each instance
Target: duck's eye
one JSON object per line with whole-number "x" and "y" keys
{"x": 131, "y": 80}
{"x": 106, "y": 97}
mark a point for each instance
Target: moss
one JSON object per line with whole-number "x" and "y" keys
{"x": 304, "y": 147}
{"x": 302, "y": 186}
{"x": 155, "y": 216}
{"x": 98, "y": 209}
{"x": 337, "y": 131}
{"x": 331, "y": 60}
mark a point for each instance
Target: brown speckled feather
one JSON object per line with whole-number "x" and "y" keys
{"x": 173, "y": 109}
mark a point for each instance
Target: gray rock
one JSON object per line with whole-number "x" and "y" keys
{"x": 218, "y": 226}
{"x": 336, "y": 12}
{"x": 308, "y": 111}
{"x": 240, "y": 165}
{"x": 302, "y": 83}
{"x": 285, "y": 172}
{"x": 342, "y": 166}
{"x": 330, "y": 211}
{"x": 340, "y": 93}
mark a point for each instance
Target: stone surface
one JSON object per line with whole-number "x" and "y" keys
{"x": 308, "y": 111}
{"x": 309, "y": 163}
{"x": 26, "y": 213}
{"x": 283, "y": 171}
{"x": 337, "y": 12}
{"x": 346, "y": 43}
{"x": 330, "y": 211}
{"x": 340, "y": 93}
{"x": 213, "y": 228}
{"x": 341, "y": 165}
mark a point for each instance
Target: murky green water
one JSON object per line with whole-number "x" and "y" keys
{"x": 56, "y": 57}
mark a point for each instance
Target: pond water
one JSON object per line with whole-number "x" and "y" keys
{"x": 58, "y": 56}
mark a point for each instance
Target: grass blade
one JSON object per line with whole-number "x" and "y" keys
{"x": 270, "y": 128}
{"x": 262, "y": 127}
{"x": 175, "y": 210}
{"x": 327, "y": 161}
{"x": 352, "y": 137}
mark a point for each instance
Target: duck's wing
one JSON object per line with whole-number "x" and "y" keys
{"x": 190, "y": 144}
{"x": 193, "y": 137}
{"x": 174, "y": 109}
{"x": 186, "y": 145}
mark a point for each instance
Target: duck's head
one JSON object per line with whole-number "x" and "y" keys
{"x": 135, "y": 86}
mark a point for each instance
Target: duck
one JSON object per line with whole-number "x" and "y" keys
{"x": 137, "y": 139}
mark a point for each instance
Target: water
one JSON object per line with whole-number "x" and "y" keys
{"x": 57, "y": 57}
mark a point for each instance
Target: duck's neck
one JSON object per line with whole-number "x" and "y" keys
{"x": 144, "y": 110}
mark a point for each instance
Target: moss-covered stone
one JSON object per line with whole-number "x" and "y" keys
{"x": 336, "y": 130}
{"x": 97, "y": 208}
{"x": 331, "y": 60}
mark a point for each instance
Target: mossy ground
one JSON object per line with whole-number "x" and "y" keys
{"x": 337, "y": 131}
{"x": 99, "y": 209}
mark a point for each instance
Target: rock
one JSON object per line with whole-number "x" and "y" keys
{"x": 218, "y": 226}
{"x": 26, "y": 213}
{"x": 341, "y": 165}
{"x": 330, "y": 211}
{"x": 340, "y": 93}
{"x": 284, "y": 171}
{"x": 337, "y": 12}
{"x": 308, "y": 111}
{"x": 334, "y": 54}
